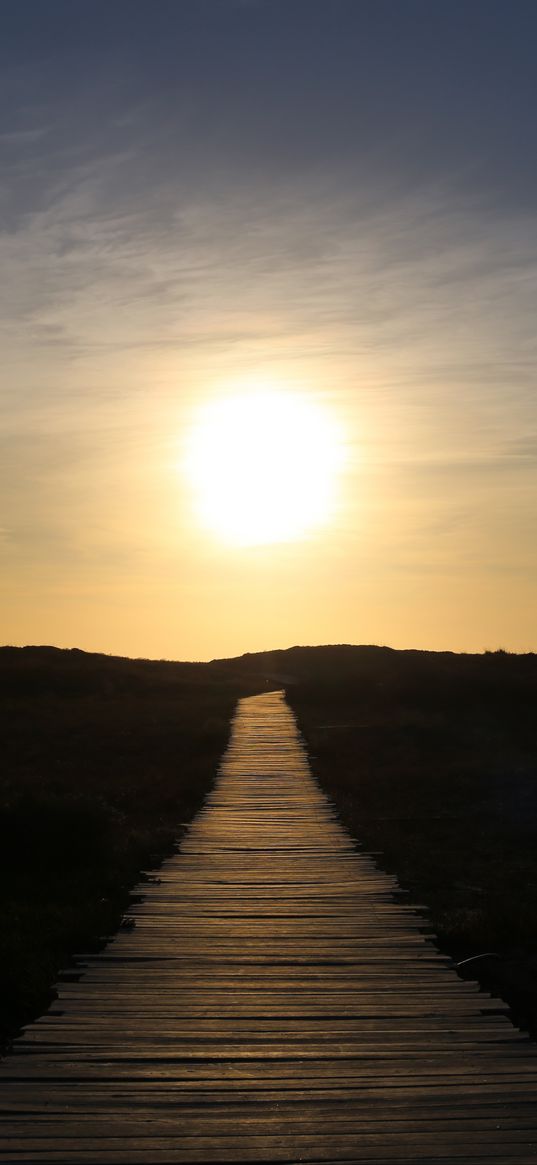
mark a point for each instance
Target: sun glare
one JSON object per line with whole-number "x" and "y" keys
{"x": 263, "y": 466}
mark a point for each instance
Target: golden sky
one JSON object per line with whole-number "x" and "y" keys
{"x": 156, "y": 262}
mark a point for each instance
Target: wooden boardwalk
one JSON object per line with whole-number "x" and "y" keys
{"x": 274, "y": 1002}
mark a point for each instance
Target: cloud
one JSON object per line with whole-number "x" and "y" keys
{"x": 415, "y": 309}
{"x": 421, "y": 273}
{"x": 523, "y": 449}
{"x": 23, "y": 137}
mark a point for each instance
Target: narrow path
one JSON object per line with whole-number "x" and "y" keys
{"x": 275, "y": 1002}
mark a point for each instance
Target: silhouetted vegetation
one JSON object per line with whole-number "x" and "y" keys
{"x": 431, "y": 758}
{"x": 103, "y": 761}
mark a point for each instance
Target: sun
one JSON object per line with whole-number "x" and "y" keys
{"x": 263, "y": 465}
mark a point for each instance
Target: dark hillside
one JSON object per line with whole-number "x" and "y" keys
{"x": 431, "y": 759}
{"x": 34, "y": 671}
{"x": 103, "y": 761}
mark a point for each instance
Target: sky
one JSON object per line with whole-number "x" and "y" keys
{"x": 333, "y": 199}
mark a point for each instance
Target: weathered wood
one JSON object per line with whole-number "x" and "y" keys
{"x": 274, "y": 1001}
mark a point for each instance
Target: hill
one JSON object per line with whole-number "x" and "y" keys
{"x": 103, "y": 762}
{"x": 430, "y": 758}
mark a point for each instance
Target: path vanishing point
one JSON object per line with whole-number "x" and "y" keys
{"x": 275, "y": 1002}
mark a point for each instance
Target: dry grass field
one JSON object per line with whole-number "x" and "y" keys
{"x": 104, "y": 760}
{"x": 431, "y": 760}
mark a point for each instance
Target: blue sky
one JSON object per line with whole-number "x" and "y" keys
{"x": 420, "y": 90}
{"x": 336, "y": 194}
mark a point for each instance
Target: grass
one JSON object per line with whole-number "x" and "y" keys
{"x": 431, "y": 759}
{"x": 104, "y": 761}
